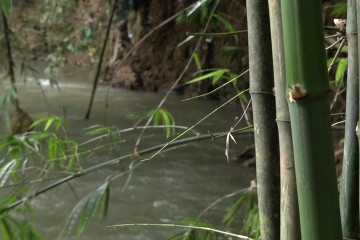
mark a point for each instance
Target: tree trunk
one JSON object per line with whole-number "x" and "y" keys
{"x": 309, "y": 106}
{"x": 264, "y": 113}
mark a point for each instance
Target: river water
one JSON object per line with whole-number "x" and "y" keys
{"x": 174, "y": 185}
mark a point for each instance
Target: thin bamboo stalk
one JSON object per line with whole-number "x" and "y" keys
{"x": 96, "y": 79}
{"x": 289, "y": 210}
{"x": 10, "y": 59}
{"x": 309, "y": 107}
{"x": 349, "y": 195}
{"x": 265, "y": 130}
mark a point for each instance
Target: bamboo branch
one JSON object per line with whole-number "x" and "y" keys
{"x": 181, "y": 226}
{"x": 177, "y": 80}
{"x": 342, "y": 44}
{"x": 216, "y": 34}
{"x": 117, "y": 161}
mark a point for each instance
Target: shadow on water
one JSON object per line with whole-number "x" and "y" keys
{"x": 174, "y": 185}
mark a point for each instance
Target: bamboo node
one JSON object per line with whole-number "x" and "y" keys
{"x": 297, "y": 92}
{"x": 353, "y": 32}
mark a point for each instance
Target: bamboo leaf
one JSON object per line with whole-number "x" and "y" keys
{"x": 219, "y": 75}
{"x": 157, "y": 117}
{"x": 6, "y": 231}
{"x": 185, "y": 41}
{"x": 91, "y": 205}
{"x": 48, "y": 124}
{"x": 227, "y": 25}
{"x": 37, "y": 122}
{"x": 52, "y": 148}
{"x": 97, "y": 129}
{"x": 84, "y": 210}
{"x": 166, "y": 121}
{"x": 8, "y": 96}
{"x": 233, "y": 209}
{"x": 6, "y": 170}
{"x": 72, "y": 218}
{"x": 198, "y": 4}
{"x": 197, "y": 61}
{"x": 340, "y": 70}
{"x": 209, "y": 75}
{"x": 106, "y": 202}
{"x": 6, "y": 6}
{"x": 179, "y": 236}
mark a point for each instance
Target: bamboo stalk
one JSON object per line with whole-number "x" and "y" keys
{"x": 349, "y": 195}
{"x": 96, "y": 79}
{"x": 309, "y": 107}
{"x": 265, "y": 130}
{"x": 289, "y": 210}
{"x": 10, "y": 59}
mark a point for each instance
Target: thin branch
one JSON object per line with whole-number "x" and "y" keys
{"x": 337, "y": 123}
{"x": 220, "y": 199}
{"x": 338, "y": 92}
{"x": 201, "y": 120}
{"x": 216, "y": 34}
{"x": 342, "y": 44}
{"x": 175, "y": 83}
{"x": 333, "y": 36}
{"x": 332, "y": 28}
{"x": 181, "y": 226}
{"x": 117, "y": 161}
{"x": 336, "y": 42}
{"x": 208, "y": 93}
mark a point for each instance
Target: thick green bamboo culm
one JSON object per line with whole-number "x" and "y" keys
{"x": 349, "y": 195}
{"x": 264, "y": 114}
{"x": 289, "y": 210}
{"x": 309, "y": 106}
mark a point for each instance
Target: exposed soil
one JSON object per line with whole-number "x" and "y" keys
{"x": 158, "y": 62}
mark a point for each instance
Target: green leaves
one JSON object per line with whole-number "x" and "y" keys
{"x": 111, "y": 133}
{"x": 227, "y": 25}
{"x": 8, "y": 96}
{"x": 198, "y": 5}
{"x": 165, "y": 117}
{"x": 6, "y": 6}
{"x": 12, "y": 229}
{"x": 197, "y": 61}
{"x": 251, "y": 219}
{"x": 58, "y": 122}
{"x": 215, "y": 75}
{"x": 194, "y": 234}
{"x": 84, "y": 210}
{"x": 340, "y": 69}
{"x": 6, "y": 170}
